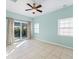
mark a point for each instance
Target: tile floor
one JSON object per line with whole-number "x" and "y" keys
{"x": 35, "y": 49}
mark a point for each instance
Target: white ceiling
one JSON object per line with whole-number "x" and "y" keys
{"x": 47, "y": 6}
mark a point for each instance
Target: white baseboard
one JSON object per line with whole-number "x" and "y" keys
{"x": 54, "y": 43}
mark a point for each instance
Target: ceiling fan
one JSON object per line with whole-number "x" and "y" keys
{"x": 34, "y": 8}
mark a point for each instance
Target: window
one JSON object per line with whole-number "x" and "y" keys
{"x": 36, "y": 28}
{"x": 65, "y": 27}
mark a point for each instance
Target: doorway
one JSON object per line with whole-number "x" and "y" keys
{"x": 20, "y": 30}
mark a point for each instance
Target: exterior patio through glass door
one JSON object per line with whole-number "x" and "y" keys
{"x": 20, "y": 30}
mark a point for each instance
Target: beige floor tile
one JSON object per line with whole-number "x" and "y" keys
{"x": 52, "y": 57}
{"x": 63, "y": 56}
{"x": 37, "y": 57}
{"x": 68, "y": 52}
{"x": 57, "y": 51}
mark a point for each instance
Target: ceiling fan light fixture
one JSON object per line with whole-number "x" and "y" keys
{"x": 33, "y": 11}
{"x": 34, "y": 8}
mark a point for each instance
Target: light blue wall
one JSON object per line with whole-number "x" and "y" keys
{"x": 17, "y": 16}
{"x": 48, "y": 26}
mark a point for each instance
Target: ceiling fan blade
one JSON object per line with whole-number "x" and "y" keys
{"x": 29, "y": 5}
{"x": 39, "y": 6}
{"x": 39, "y": 10}
{"x": 28, "y": 9}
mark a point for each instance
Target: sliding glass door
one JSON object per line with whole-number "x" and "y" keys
{"x": 20, "y": 30}
{"x": 24, "y": 30}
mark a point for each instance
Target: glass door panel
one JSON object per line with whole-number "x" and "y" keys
{"x": 17, "y": 31}
{"x": 24, "y": 30}
{"x": 16, "y": 23}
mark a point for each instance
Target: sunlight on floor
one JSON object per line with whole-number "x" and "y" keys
{"x": 11, "y": 48}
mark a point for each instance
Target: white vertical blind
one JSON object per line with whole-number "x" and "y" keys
{"x": 65, "y": 27}
{"x": 36, "y": 28}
